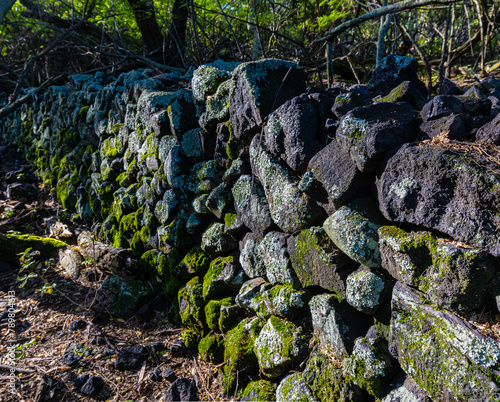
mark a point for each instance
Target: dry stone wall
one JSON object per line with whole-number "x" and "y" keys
{"x": 322, "y": 244}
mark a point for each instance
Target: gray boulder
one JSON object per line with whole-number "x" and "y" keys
{"x": 366, "y": 291}
{"x": 276, "y": 258}
{"x": 251, "y": 204}
{"x": 353, "y": 229}
{"x": 278, "y": 345}
{"x": 294, "y": 388}
{"x": 336, "y": 324}
{"x": 289, "y": 207}
{"x": 250, "y": 256}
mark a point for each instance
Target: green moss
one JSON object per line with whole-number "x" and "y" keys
{"x": 149, "y": 261}
{"x": 196, "y": 260}
{"x": 211, "y": 348}
{"x": 238, "y": 353}
{"x": 11, "y": 245}
{"x": 229, "y": 219}
{"x": 215, "y": 269}
{"x": 116, "y": 128}
{"x": 191, "y": 305}
{"x": 82, "y": 114}
{"x": 261, "y": 390}
{"x": 232, "y": 144}
{"x": 191, "y": 337}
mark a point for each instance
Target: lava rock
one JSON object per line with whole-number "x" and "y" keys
{"x": 294, "y": 388}
{"x": 92, "y": 386}
{"x": 338, "y": 174}
{"x": 77, "y": 324}
{"x": 392, "y": 71}
{"x": 182, "y": 390}
{"x": 130, "y": 358}
{"x": 259, "y": 87}
{"x": 490, "y": 132}
{"x": 452, "y": 191}
{"x": 368, "y": 132}
{"x": 292, "y": 133}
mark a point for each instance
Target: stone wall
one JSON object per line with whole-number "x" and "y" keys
{"x": 322, "y": 244}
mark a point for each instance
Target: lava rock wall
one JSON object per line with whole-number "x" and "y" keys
{"x": 322, "y": 244}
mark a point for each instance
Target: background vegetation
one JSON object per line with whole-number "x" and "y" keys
{"x": 41, "y": 39}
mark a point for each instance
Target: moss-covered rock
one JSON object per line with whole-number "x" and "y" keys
{"x": 294, "y": 388}
{"x": 211, "y": 348}
{"x": 278, "y": 345}
{"x": 239, "y": 357}
{"x": 261, "y": 390}
{"x": 215, "y": 241}
{"x": 212, "y": 312}
{"x": 453, "y": 276}
{"x": 317, "y": 261}
{"x": 195, "y": 262}
{"x": 353, "y": 228}
{"x": 222, "y": 276}
{"x": 126, "y": 297}
{"x": 281, "y": 300}
{"x": 325, "y": 379}
{"x": 12, "y": 244}
{"x": 192, "y": 305}
{"x": 445, "y": 355}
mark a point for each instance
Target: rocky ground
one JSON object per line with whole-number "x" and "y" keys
{"x": 69, "y": 344}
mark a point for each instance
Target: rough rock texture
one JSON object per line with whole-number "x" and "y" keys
{"x": 392, "y": 71}
{"x": 453, "y": 277}
{"x": 368, "y": 132}
{"x": 290, "y": 208}
{"x": 450, "y": 191}
{"x": 365, "y": 290}
{"x": 250, "y": 256}
{"x": 294, "y": 388}
{"x": 259, "y": 87}
{"x": 456, "y": 366}
{"x": 251, "y": 204}
{"x": 490, "y": 132}
{"x": 292, "y": 133}
{"x": 182, "y": 390}
{"x": 338, "y": 174}
{"x": 316, "y": 261}
{"x": 353, "y": 229}
{"x": 336, "y": 324}
{"x": 276, "y": 259}
{"x": 278, "y": 345}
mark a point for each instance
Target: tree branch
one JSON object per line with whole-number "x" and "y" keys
{"x": 379, "y": 12}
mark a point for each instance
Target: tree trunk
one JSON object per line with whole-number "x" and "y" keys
{"x": 176, "y": 40}
{"x": 5, "y": 7}
{"x": 144, "y": 13}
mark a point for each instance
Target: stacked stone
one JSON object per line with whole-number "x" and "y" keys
{"x": 328, "y": 241}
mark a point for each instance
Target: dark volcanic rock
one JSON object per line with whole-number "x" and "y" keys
{"x": 71, "y": 357}
{"x": 182, "y": 390}
{"x": 92, "y": 386}
{"x": 453, "y": 125}
{"x": 346, "y": 102}
{"x": 368, "y": 132}
{"x": 259, "y": 88}
{"x": 450, "y": 191}
{"x": 490, "y": 132}
{"x": 392, "y": 71}
{"x": 405, "y": 92}
{"x": 339, "y": 175}
{"x": 130, "y": 358}
{"x": 251, "y": 204}
{"x": 440, "y": 106}
{"x": 292, "y": 132}
{"x": 77, "y": 324}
